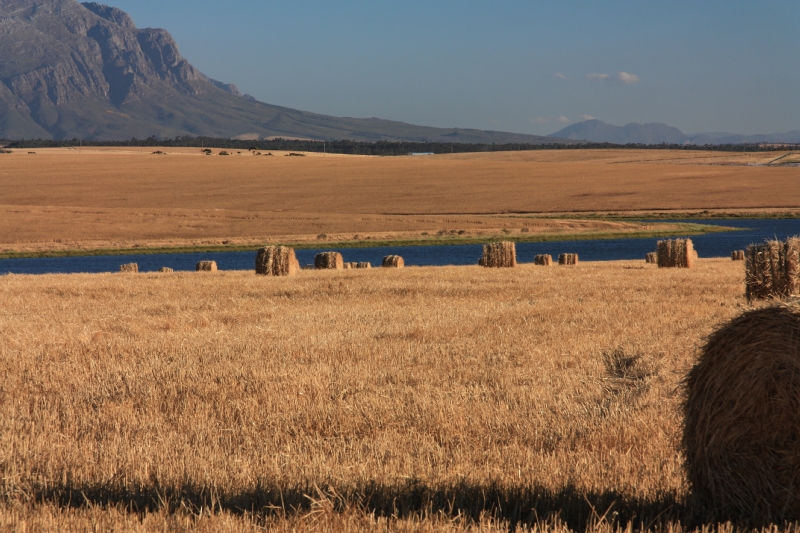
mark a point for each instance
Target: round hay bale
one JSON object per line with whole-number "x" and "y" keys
{"x": 276, "y": 261}
{"x": 393, "y": 261}
{"x": 737, "y": 255}
{"x": 771, "y": 269}
{"x": 166, "y": 270}
{"x": 206, "y": 266}
{"x": 329, "y": 261}
{"x": 651, "y": 258}
{"x": 364, "y": 264}
{"x": 350, "y": 266}
{"x": 129, "y": 268}
{"x": 543, "y": 260}
{"x": 742, "y": 418}
{"x": 568, "y": 259}
{"x": 499, "y": 255}
{"x": 676, "y": 253}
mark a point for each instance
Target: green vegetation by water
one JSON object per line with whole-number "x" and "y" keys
{"x": 444, "y": 240}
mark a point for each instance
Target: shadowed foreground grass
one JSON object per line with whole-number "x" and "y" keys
{"x": 431, "y": 399}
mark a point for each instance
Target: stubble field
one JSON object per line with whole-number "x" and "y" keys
{"x": 438, "y": 399}
{"x": 116, "y": 198}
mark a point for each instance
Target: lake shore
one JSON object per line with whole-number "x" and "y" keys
{"x": 310, "y": 242}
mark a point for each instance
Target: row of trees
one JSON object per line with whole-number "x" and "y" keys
{"x": 384, "y": 148}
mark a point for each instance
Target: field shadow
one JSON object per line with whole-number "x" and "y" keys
{"x": 519, "y": 505}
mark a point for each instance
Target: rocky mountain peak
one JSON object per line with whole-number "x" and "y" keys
{"x": 83, "y": 70}
{"x": 112, "y": 14}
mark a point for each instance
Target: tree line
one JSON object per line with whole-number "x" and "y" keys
{"x": 378, "y": 148}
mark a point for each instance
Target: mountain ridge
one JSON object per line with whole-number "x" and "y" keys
{"x": 657, "y": 133}
{"x": 72, "y": 70}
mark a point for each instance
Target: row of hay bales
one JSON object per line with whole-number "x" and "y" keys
{"x": 202, "y": 266}
{"x": 504, "y": 255}
{"x": 281, "y": 261}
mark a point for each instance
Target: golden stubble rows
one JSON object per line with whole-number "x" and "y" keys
{"x": 440, "y": 375}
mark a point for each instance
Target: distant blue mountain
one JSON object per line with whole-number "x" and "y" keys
{"x": 656, "y": 133}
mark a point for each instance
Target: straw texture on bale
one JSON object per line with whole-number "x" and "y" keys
{"x": 499, "y": 255}
{"x": 772, "y": 269}
{"x": 568, "y": 259}
{"x": 350, "y": 266}
{"x": 166, "y": 269}
{"x": 676, "y": 253}
{"x": 543, "y": 260}
{"x": 364, "y": 264}
{"x": 393, "y": 261}
{"x": 651, "y": 258}
{"x": 329, "y": 261}
{"x": 276, "y": 261}
{"x": 737, "y": 255}
{"x": 130, "y": 268}
{"x": 742, "y": 421}
{"x": 206, "y": 266}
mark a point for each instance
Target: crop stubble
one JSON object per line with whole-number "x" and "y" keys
{"x": 451, "y": 379}
{"x": 123, "y": 196}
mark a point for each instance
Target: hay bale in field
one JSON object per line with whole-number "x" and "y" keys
{"x": 349, "y": 266}
{"x": 364, "y": 264}
{"x": 329, "y": 261}
{"x": 676, "y": 253}
{"x": 651, "y": 258}
{"x": 772, "y": 269}
{"x": 276, "y": 261}
{"x": 206, "y": 266}
{"x": 166, "y": 270}
{"x": 791, "y": 249}
{"x": 543, "y": 260}
{"x": 499, "y": 255}
{"x": 568, "y": 259}
{"x": 737, "y": 255}
{"x": 129, "y": 268}
{"x": 742, "y": 424}
{"x": 393, "y": 261}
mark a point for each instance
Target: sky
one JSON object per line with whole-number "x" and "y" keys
{"x": 524, "y": 66}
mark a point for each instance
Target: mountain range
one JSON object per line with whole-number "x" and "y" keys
{"x": 72, "y": 70}
{"x": 655, "y": 133}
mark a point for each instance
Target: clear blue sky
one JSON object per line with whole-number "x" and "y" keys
{"x": 524, "y": 66}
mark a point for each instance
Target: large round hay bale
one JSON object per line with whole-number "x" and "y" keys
{"x": 543, "y": 260}
{"x": 499, "y": 255}
{"x": 364, "y": 264}
{"x": 129, "y": 268}
{"x": 737, "y": 255}
{"x": 772, "y": 269}
{"x": 166, "y": 270}
{"x": 568, "y": 259}
{"x": 742, "y": 418}
{"x": 676, "y": 253}
{"x": 393, "y": 261}
{"x": 329, "y": 261}
{"x": 206, "y": 266}
{"x": 651, "y": 258}
{"x": 276, "y": 261}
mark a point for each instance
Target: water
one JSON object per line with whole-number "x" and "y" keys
{"x": 711, "y": 245}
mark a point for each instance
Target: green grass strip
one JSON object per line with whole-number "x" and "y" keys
{"x": 687, "y": 230}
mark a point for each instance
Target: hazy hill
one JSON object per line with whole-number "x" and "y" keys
{"x": 84, "y": 70}
{"x": 656, "y": 133}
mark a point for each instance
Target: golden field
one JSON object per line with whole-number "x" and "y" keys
{"x": 422, "y": 399}
{"x": 98, "y": 198}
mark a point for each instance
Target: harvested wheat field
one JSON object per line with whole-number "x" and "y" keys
{"x": 434, "y": 399}
{"x": 62, "y": 198}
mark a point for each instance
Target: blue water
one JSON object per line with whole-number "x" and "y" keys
{"x": 711, "y": 245}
